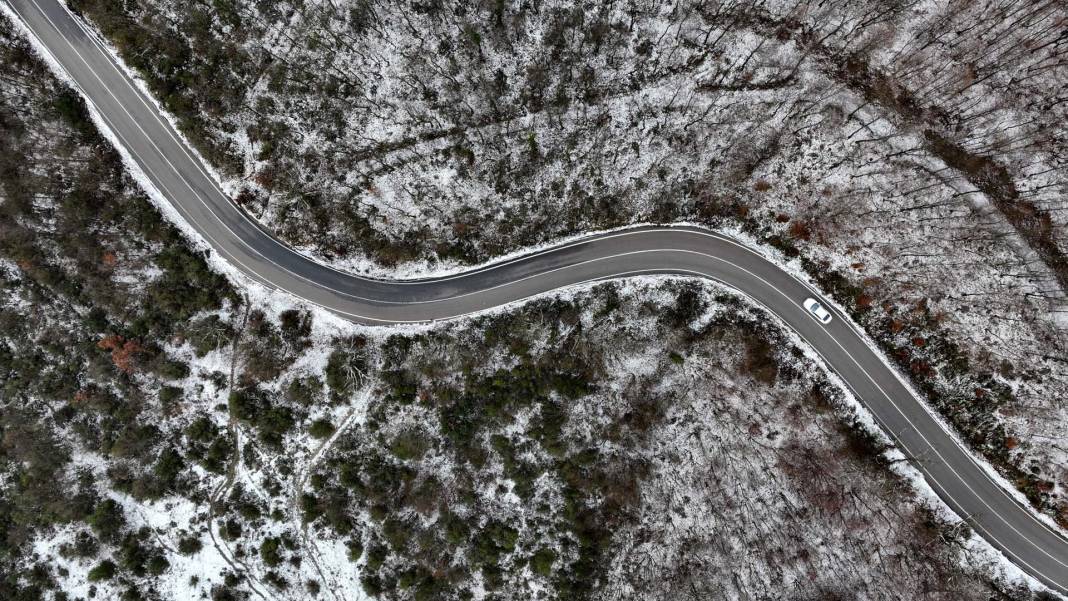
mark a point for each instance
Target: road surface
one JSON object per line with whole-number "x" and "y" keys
{"x": 953, "y": 472}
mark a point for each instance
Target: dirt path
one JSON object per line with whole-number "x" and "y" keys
{"x": 220, "y": 491}
{"x": 301, "y": 480}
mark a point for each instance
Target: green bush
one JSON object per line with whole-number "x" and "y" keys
{"x": 264, "y": 357}
{"x": 208, "y": 334}
{"x": 491, "y": 542}
{"x": 401, "y": 386}
{"x": 269, "y": 551}
{"x": 542, "y": 562}
{"x": 189, "y": 545}
{"x": 72, "y": 109}
{"x": 107, "y": 520}
{"x": 104, "y": 570}
{"x": 169, "y": 369}
{"x": 169, "y": 395}
{"x": 168, "y": 467}
{"x": 158, "y": 564}
{"x": 133, "y": 555}
{"x": 274, "y": 424}
{"x": 409, "y": 445}
{"x": 296, "y": 328}
{"x": 276, "y": 580}
{"x": 304, "y": 391}
{"x": 230, "y": 530}
{"x": 397, "y": 533}
{"x": 456, "y": 529}
{"x": 218, "y": 454}
{"x": 255, "y": 406}
{"x": 376, "y": 556}
{"x": 309, "y": 507}
{"x": 321, "y": 428}
{"x": 244, "y": 404}
{"x": 355, "y": 548}
{"x": 344, "y": 366}
{"x": 84, "y": 546}
{"x": 689, "y": 305}
{"x": 202, "y": 429}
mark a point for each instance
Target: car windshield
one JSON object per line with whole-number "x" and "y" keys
{"x": 816, "y": 306}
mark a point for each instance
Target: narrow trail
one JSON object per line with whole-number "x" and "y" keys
{"x": 301, "y": 480}
{"x": 224, "y": 487}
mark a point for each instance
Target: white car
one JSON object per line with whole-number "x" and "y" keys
{"x": 817, "y": 310}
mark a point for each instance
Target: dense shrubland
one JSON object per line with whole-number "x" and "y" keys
{"x": 557, "y": 452}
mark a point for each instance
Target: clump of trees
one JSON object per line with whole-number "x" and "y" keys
{"x": 347, "y": 367}
{"x": 385, "y": 477}
{"x": 208, "y": 444}
{"x": 268, "y": 349}
{"x": 264, "y": 412}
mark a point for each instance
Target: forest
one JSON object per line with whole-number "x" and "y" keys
{"x": 165, "y": 433}
{"x": 905, "y": 157}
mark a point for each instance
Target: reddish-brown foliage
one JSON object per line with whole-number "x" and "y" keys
{"x": 124, "y": 353}
{"x": 921, "y": 369}
{"x": 800, "y": 230}
{"x": 265, "y": 178}
{"x": 244, "y": 197}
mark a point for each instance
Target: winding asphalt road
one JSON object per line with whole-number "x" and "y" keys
{"x": 952, "y": 471}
